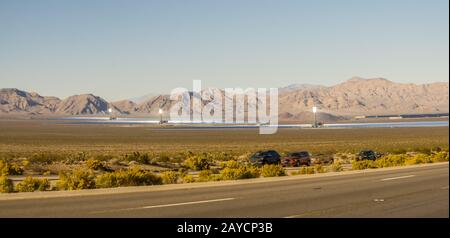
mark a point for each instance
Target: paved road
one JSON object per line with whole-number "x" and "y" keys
{"x": 406, "y": 192}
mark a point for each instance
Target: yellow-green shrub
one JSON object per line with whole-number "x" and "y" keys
{"x": 418, "y": 159}
{"x": 197, "y": 162}
{"x": 363, "y": 164}
{"x": 30, "y": 184}
{"x": 127, "y": 177}
{"x": 206, "y": 175}
{"x": 305, "y": 170}
{"x": 240, "y": 172}
{"x": 272, "y": 170}
{"x": 188, "y": 178}
{"x": 319, "y": 169}
{"x": 95, "y": 164}
{"x": 6, "y": 184}
{"x": 336, "y": 167}
{"x": 441, "y": 156}
{"x": 76, "y": 180}
{"x": 10, "y": 168}
{"x": 391, "y": 160}
{"x": 169, "y": 177}
{"x": 138, "y": 157}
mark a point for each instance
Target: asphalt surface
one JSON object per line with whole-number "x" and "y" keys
{"x": 405, "y": 192}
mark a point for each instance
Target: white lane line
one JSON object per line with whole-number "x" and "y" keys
{"x": 187, "y": 203}
{"x": 401, "y": 177}
{"x": 166, "y": 205}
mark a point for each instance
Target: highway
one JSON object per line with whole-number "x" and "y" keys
{"x": 416, "y": 191}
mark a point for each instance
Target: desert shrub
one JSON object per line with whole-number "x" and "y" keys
{"x": 76, "y": 180}
{"x": 363, "y": 164}
{"x": 138, "y": 157}
{"x": 197, "y": 162}
{"x": 169, "y": 177}
{"x": 30, "y": 184}
{"x": 336, "y": 167}
{"x": 188, "y": 178}
{"x": 240, "y": 172}
{"x": 305, "y": 170}
{"x": 70, "y": 159}
{"x": 206, "y": 175}
{"x": 46, "y": 158}
{"x": 7, "y": 168}
{"x": 344, "y": 158}
{"x": 441, "y": 156}
{"x": 95, "y": 164}
{"x": 127, "y": 177}
{"x": 319, "y": 169}
{"x": 272, "y": 170}
{"x": 391, "y": 160}
{"x": 103, "y": 157}
{"x": 230, "y": 164}
{"x": 6, "y": 184}
{"x": 418, "y": 159}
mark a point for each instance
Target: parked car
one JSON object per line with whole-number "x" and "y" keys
{"x": 265, "y": 157}
{"x": 367, "y": 155}
{"x": 297, "y": 159}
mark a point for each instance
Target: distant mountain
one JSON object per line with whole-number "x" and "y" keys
{"x": 124, "y": 106}
{"x": 15, "y": 101}
{"x": 359, "y": 96}
{"x": 296, "y": 87}
{"x": 83, "y": 104}
{"x": 141, "y": 99}
{"x": 356, "y": 96}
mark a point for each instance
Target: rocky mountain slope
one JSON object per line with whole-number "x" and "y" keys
{"x": 356, "y": 96}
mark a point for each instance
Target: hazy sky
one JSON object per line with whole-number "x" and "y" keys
{"x": 123, "y": 49}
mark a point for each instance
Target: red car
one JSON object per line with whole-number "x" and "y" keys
{"x": 297, "y": 159}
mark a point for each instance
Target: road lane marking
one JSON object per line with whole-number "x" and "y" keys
{"x": 187, "y": 203}
{"x": 401, "y": 177}
{"x": 166, "y": 205}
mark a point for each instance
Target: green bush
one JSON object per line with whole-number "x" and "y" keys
{"x": 95, "y": 164}
{"x": 76, "y": 180}
{"x": 127, "y": 177}
{"x": 10, "y": 168}
{"x": 197, "y": 162}
{"x": 363, "y": 164}
{"x": 336, "y": 167}
{"x": 272, "y": 170}
{"x": 169, "y": 177}
{"x": 6, "y": 184}
{"x": 30, "y": 184}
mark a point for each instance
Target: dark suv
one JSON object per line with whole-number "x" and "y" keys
{"x": 265, "y": 157}
{"x": 367, "y": 155}
{"x": 297, "y": 159}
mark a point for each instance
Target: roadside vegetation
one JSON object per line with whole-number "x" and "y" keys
{"x": 109, "y": 172}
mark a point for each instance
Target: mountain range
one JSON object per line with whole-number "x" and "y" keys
{"x": 356, "y": 96}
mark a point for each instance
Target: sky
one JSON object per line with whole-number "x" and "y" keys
{"x": 125, "y": 49}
